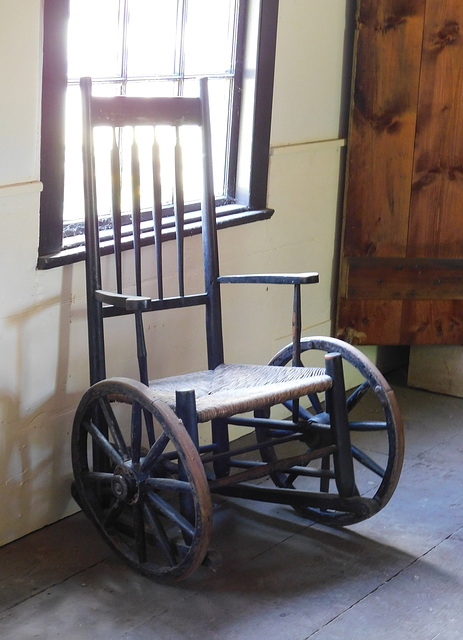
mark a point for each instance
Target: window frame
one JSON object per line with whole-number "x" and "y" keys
{"x": 257, "y": 75}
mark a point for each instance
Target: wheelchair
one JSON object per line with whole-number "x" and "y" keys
{"x": 144, "y": 472}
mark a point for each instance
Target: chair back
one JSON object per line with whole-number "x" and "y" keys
{"x": 117, "y": 183}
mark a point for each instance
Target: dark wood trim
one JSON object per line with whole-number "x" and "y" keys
{"x": 388, "y": 278}
{"x": 113, "y": 112}
{"x": 232, "y": 168}
{"x": 77, "y": 254}
{"x": 54, "y": 81}
{"x": 265, "y": 73}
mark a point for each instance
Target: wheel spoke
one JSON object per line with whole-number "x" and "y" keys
{"x": 139, "y": 529}
{"x": 153, "y": 454}
{"x": 113, "y": 514}
{"x": 102, "y": 442}
{"x": 315, "y": 401}
{"x": 136, "y": 432}
{"x": 168, "y": 484}
{"x": 158, "y": 530}
{"x": 368, "y": 425}
{"x": 113, "y": 427}
{"x": 289, "y": 479}
{"x": 170, "y": 512}
{"x": 357, "y": 395}
{"x": 367, "y": 462}
{"x": 149, "y": 427}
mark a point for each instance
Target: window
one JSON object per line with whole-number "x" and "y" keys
{"x": 153, "y": 47}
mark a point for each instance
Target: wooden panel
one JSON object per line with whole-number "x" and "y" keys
{"x": 402, "y": 247}
{"x": 393, "y": 322}
{"x": 428, "y": 322}
{"x": 437, "y": 196}
{"x": 402, "y": 278}
{"x": 381, "y": 140}
{"x": 370, "y": 321}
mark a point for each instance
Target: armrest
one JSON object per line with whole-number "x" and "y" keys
{"x": 129, "y": 303}
{"x": 273, "y": 278}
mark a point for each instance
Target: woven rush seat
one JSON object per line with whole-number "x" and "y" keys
{"x": 237, "y": 388}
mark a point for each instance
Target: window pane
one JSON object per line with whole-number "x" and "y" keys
{"x": 73, "y": 178}
{"x": 94, "y": 39}
{"x": 219, "y": 104}
{"x": 73, "y": 207}
{"x": 209, "y": 37}
{"x": 152, "y": 38}
{"x": 102, "y": 140}
{"x": 152, "y": 88}
{"x": 139, "y": 48}
{"x": 192, "y": 169}
{"x": 219, "y": 97}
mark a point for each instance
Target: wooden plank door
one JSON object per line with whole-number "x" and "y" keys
{"x": 401, "y": 266}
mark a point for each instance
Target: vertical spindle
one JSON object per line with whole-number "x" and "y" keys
{"x": 136, "y": 212}
{"x": 296, "y": 359}
{"x": 179, "y": 209}
{"x": 157, "y": 211}
{"x": 116, "y": 209}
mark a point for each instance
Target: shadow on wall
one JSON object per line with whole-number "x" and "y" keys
{"x": 35, "y": 458}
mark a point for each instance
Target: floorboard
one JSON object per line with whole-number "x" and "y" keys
{"x": 398, "y": 575}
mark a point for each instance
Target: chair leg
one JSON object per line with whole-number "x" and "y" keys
{"x": 221, "y": 440}
{"x": 186, "y": 411}
{"x": 337, "y": 408}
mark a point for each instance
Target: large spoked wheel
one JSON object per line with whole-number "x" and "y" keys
{"x": 140, "y": 479}
{"x": 376, "y": 432}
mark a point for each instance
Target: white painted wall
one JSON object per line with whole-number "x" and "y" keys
{"x": 43, "y": 364}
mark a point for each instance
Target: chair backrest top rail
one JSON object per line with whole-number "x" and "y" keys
{"x": 120, "y": 111}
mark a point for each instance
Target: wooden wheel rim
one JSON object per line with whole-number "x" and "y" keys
{"x": 388, "y": 403}
{"x": 128, "y": 391}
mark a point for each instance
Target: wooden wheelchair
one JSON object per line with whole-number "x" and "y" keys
{"x": 141, "y": 474}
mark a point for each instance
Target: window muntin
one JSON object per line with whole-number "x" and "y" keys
{"x": 126, "y": 63}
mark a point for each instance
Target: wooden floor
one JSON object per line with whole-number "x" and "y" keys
{"x": 398, "y": 575}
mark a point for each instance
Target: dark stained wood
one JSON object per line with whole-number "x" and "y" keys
{"x": 402, "y": 278}
{"x": 137, "y": 521}
{"x": 425, "y": 322}
{"x": 52, "y": 151}
{"x": 116, "y": 210}
{"x": 436, "y": 227}
{"x": 383, "y": 117}
{"x": 179, "y": 210}
{"x": 154, "y": 111}
{"x": 157, "y": 213}
{"x": 370, "y": 321}
{"x": 118, "y": 112}
{"x": 273, "y": 278}
{"x": 136, "y": 212}
{"x": 402, "y": 244}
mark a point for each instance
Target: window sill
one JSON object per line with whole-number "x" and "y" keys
{"x": 227, "y": 216}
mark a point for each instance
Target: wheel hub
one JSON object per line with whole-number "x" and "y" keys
{"x": 124, "y": 484}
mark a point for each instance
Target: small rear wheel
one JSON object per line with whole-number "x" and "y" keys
{"x": 376, "y": 432}
{"x": 139, "y": 477}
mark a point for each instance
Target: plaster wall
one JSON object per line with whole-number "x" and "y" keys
{"x": 43, "y": 362}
